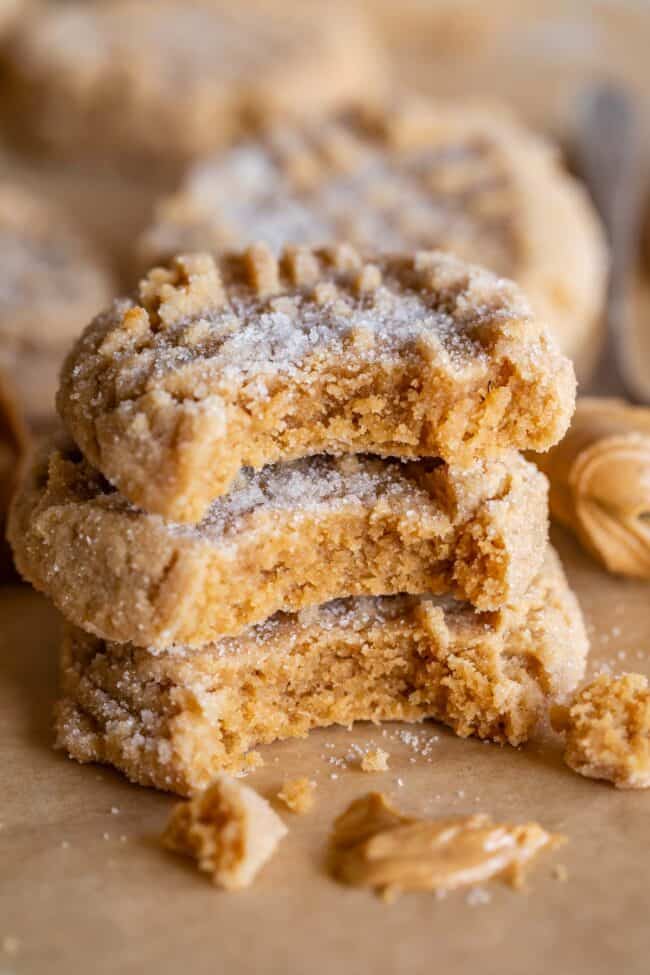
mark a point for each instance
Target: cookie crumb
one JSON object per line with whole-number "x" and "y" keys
{"x": 229, "y": 829}
{"x": 608, "y": 731}
{"x": 298, "y": 795}
{"x": 561, "y": 873}
{"x": 375, "y": 761}
{"x": 389, "y": 894}
{"x": 10, "y": 945}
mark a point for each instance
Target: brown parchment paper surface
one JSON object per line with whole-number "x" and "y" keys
{"x": 85, "y": 889}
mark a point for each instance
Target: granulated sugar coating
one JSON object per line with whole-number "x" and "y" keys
{"x": 406, "y": 176}
{"x": 247, "y": 360}
{"x": 174, "y": 718}
{"x": 286, "y": 537}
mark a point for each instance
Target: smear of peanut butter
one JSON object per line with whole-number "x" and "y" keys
{"x": 600, "y": 483}
{"x": 374, "y": 845}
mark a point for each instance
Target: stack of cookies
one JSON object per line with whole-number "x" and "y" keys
{"x": 290, "y": 495}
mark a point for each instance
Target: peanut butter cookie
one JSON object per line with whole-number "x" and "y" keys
{"x": 289, "y": 536}
{"x": 174, "y": 719}
{"x": 52, "y": 282}
{"x": 459, "y": 177}
{"x": 247, "y": 360}
{"x": 179, "y": 77}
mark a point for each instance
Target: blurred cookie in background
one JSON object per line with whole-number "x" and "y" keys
{"x": 13, "y": 444}
{"x": 537, "y": 56}
{"x": 178, "y": 77}
{"x": 51, "y": 285}
{"x": 110, "y": 206}
{"x": 459, "y": 176}
{"x": 9, "y": 10}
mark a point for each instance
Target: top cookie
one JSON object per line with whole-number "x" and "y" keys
{"x": 416, "y": 175}
{"x": 246, "y": 360}
{"x": 178, "y": 77}
{"x": 51, "y": 282}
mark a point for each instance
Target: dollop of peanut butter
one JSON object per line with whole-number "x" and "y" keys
{"x": 374, "y": 845}
{"x": 600, "y": 483}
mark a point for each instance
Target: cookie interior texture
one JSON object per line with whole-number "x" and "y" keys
{"x": 608, "y": 731}
{"x": 409, "y": 175}
{"x": 173, "y": 719}
{"x": 286, "y": 537}
{"x": 229, "y": 830}
{"x": 248, "y": 360}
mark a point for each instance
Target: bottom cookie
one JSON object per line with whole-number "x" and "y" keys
{"x": 173, "y": 719}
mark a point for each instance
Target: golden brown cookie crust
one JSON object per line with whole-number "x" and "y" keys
{"x": 248, "y": 360}
{"x": 179, "y": 77}
{"x": 174, "y": 719}
{"x": 290, "y": 536}
{"x": 52, "y": 283}
{"x": 409, "y": 175}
